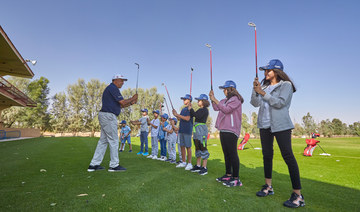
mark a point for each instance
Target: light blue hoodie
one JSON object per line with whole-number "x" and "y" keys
{"x": 279, "y": 100}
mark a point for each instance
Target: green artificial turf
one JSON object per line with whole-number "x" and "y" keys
{"x": 330, "y": 183}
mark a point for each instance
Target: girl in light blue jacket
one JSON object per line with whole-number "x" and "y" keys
{"x": 273, "y": 96}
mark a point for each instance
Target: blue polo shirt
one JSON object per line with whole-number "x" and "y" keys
{"x": 110, "y": 99}
{"x": 186, "y": 127}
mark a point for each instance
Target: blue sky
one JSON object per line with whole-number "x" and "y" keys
{"x": 316, "y": 40}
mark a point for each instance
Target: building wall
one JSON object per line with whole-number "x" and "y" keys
{"x": 25, "y": 132}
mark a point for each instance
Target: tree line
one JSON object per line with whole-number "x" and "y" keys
{"x": 75, "y": 110}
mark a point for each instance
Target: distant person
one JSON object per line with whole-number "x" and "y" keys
{"x": 154, "y": 126}
{"x": 200, "y": 133}
{"x": 228, "y": 122}
{"x": 185, "y": 132}
{"x": 273, "y": 95}
{"x": 112, "y": 102}
{"x": 125, "y": 136}
{"x": 144, "y": 132}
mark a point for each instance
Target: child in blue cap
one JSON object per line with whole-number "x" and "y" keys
{"x": 185, "y": 132}
{"x": 144, "y": 131}
{"x": 162, "y": 136}
{"x": 200, "y": 132}
{"x": 154, "y": 125}
{"x": 171, "y": 139}
{"x": 125, "y": 136}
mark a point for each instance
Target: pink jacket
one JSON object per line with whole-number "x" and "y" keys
{"x": 229, "y": 117}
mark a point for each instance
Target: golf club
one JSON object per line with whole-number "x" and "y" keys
{"x": 137, "y": 78}
{"x": 208, "y": 45}
{"x": 191, "y": 80}
{"x": 168, "y": 95}
{"x": 256, "y": 69}
{"x": 167, "y": 107}
{"x": 323, "y": 151}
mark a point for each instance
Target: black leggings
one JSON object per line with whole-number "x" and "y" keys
{"x": 283, "y": 139}
{"x": 228, "y": 144}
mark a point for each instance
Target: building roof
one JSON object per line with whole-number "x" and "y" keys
{"x": 11, "y": 61}
{"x": 12, "y": 64}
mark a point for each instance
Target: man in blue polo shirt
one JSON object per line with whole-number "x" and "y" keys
{"x": 112, "y": 102}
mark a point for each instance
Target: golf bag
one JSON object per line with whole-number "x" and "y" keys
{"x": 244, "y": 141}
{"x": 311, "y": 145}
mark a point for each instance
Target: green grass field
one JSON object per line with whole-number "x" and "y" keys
{"x": 330, "y": 183}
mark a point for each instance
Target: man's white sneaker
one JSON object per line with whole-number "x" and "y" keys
{"x": 150, "y": 156}
{"x": 181, "y": 165}
{"x": 154, "y": 157}
{"x": 163, "y": 158}
{"x": 189, "y": 166}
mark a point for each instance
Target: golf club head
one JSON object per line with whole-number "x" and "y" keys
{"x": 163, "y": 84}
{"x": 208, "y": 45}
{"x": 192, "y": 69}
{"x": 137, "y": 64}
{"x": 251, "y": 24}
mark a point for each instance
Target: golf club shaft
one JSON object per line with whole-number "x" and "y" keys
{"x": 190, "y": 83}
{"x": 251, "y": 145}
{"x": 321, "y": 148}
{"x": 211, "y": 70}
{"x": 167, "y": 107}
{"x": 169, "y": 96}
{"x": 256, "y": 66}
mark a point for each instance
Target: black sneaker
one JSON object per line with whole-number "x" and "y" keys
{"x": 168, "y": 160}
{"x": 265, "y": 191}
{"x": 173, "y": 161}
{"x": 117, "y": 169}
{"x": 232, "y": 183}
{"x": 295, "y": 201}
{"x": 196, "y": 168}
{"x": 203, "y": 171}
{"x": 95, "y": 168}
{"x": 223, "y": 178}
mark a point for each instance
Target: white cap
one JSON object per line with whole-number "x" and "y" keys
{"x": 119, "y": 76}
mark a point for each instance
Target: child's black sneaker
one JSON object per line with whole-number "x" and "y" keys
{"x": 265, "y": 191}
{"x": 223, "y": 178}
{"x": 295, "y": 201}
{"x": 233, "y": 182}
{"x": 117, "y": 169}
{"x": 95, "y": 168}
{"x": 203, "y": 171}
{"x": 196, "y": 168}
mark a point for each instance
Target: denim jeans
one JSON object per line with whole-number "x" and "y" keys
{"x": 144, "y": 140}
{"x": 163, "y": 147}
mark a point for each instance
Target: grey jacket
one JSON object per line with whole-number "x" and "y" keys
{"x": 279, "y": 100}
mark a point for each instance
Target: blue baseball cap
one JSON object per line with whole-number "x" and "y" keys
{"x": 123, "y": 122}
{"x": 175, "y": 120}
{"x": 144, "y": 110}
{"x": 202, "y": 97}
{"x": 156, "y": 111}
{"x": 165, "y": 116}
{"x": 187, "y": 96}
{"x": 228, "y": 84}
{"x": 273, "y": 64}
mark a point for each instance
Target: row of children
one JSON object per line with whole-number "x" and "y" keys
{"x": 168, "y": 134}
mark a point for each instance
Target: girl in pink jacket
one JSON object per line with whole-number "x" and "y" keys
{"x": 228, "y": 122}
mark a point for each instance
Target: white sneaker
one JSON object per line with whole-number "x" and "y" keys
{"x": 154, "y": 157}
{"x": 189, "y": 166}
{"x": 163, "y": 158}
{"x": 150, "y": 156}
{"x": 181, "y": 165}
